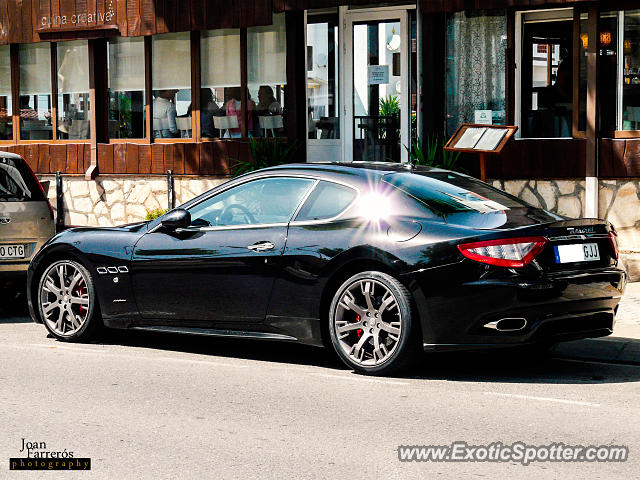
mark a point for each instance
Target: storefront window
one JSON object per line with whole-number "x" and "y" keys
{"x": 171, "y": 79}
{"x": 35, "y": 91}
{"x": 546, "y": 74}
{"x": 610, "y": 78}
{"x": 582, "y": 73}
{"x": 630, "y": 102}
{"x": 126, "y": 88}
{"x": 322, "y": 76}
{"x": 266, "y": 78}
{"x": 475, "y": 68}
{"x": 6, "y": 120}
{"x": 220, "y": 76}
{"x": 73, "y": 90}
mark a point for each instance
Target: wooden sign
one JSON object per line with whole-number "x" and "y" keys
{"x": 482, "y": 139}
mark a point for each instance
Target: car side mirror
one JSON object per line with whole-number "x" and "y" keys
{"x": 175, "y": 219}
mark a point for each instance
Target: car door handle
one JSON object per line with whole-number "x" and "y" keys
{"x": 261, "y": 246}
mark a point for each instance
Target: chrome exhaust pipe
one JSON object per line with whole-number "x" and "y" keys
{"x": 507, "y": 324}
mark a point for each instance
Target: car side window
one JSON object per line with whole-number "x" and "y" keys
{"x": 326, "y": 201}
{"x": 258, "y": 202}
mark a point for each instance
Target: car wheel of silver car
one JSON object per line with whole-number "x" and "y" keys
{"x": 67, "y": 301}
{"x": 372, "y": 325}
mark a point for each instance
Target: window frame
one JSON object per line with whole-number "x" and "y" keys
{"x": 96, "y": 68}
{"x": 296, "y": 222}
{"x": 314, "y": 183}
{"x": 148, "y": 123}
{"x": 243, "y": 85}
{"x": 12, "y": 140}
{"x": 518, "y": 35}
{"x": 617, "y": 133}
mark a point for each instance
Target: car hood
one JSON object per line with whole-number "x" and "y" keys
{"x": 129, "y": 227}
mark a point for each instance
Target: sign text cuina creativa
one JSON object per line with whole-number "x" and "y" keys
{"x": 78, "y": 18}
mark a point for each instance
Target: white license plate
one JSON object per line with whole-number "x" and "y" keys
{"x": 584, "y": 252}
{"x": 11, "y": 251}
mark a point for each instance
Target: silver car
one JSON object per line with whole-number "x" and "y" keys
{"x": 26, "y": 217}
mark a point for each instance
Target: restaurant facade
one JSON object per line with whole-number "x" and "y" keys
{"x": 114, "y": 93}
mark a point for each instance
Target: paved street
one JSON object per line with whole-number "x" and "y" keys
{"x": 170, "y": 406}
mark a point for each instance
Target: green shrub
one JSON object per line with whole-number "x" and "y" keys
{"x": 155, "y": 213}
{"x": 434, "y": 155}
{"x": 265, "y": 152}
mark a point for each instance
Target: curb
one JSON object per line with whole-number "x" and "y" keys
{"x": 611, "y": 349}
{"x": 631, "y": 263}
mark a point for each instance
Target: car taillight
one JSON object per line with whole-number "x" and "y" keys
{"x": 510, "y": 252}
{"x": 44, "y": 194}
{"x": 613, "y": 238}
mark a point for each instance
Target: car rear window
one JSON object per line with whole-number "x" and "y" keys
{"x": 462, "y": 200}
{"x": 17, "y": 183}
{"x": 447, "y": 192}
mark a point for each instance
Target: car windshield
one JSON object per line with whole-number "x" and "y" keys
{"x": 17, "y": 184}
{"x": 463, "y": 200}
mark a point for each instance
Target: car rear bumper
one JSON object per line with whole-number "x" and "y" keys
{"x": 21, "y": 265}
{"x": 556, "y": 308}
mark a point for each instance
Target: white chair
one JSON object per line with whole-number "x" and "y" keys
{"x": 226, "y": 123}
{"x": 184, "y": 126}
{"x": 271, "y": 122}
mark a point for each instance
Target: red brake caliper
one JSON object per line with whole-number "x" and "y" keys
{"x": 359, "y": 331}
{"x": 80, "y": 292}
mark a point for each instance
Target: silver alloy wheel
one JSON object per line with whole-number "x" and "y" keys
{"x": 64, "y": 298}
{"x": 369, "y": 334}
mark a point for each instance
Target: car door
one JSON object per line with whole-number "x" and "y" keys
{"x": 222, "y": 267}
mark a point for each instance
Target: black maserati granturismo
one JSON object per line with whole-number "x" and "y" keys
{"x": 378, "y": 260}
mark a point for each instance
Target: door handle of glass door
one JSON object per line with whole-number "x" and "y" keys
{"x": 261, "y": 246}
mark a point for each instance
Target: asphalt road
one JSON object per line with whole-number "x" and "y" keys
{"x": 152, "y": 406}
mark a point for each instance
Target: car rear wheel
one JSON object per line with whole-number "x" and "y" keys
{"x": 67, "y": 301}
{"x": 372, "y": 325}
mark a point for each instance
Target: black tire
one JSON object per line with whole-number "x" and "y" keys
{"x": 405, "y": 349}
{"x": 92, "y": 323}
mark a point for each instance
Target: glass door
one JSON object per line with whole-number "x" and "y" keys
{"x": 323, "y": 87}
{"x": 376, "y": 93}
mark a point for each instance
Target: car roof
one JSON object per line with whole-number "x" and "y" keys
{"x": 355, "y": 171}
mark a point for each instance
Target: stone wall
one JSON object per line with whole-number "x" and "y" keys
{"x": 618, "y": 202}
{"x": 117, "y": 200}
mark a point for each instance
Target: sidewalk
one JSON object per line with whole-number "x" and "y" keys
{"x": 623, "y": 346}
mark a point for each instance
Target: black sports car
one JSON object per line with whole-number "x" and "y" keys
{"x": 380, "y": 261}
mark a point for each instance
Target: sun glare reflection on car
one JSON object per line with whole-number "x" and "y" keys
{"x": 375, "y": 206}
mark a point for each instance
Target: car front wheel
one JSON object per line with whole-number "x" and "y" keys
{"x": 372, "y": 325}
{"x": 67, "y": 301}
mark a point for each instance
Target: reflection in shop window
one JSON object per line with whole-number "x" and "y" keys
{"x": 220, "y": 83}
{"x": 475, "y": 68}
{"x": 547, "y": 74}
{"x": 126, "y": 88}
{"x": 322, "y": 76}
{"x": 73, "y": 90}
{"x": 266, "y": 78}
{"x": 631, "y": 71}
{"x": 6, "y": 120}
{"x": 35, "y": 91}
{"x": 619, "y": 70}
{"x": 171, "y": 79}
{"x": 608, "y": 52}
